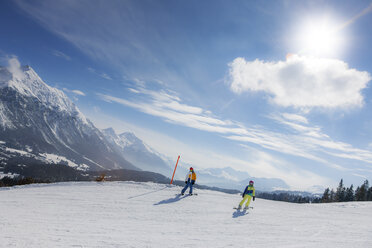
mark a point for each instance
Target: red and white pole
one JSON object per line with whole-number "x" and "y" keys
{"x": 175, "y": 169}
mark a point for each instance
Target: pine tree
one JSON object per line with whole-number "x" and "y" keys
{"x": 366, "y": 186}
{"x": 349, "y": 196}
{"x": 369, "y": 194}
{"x": 357, "y": 194}
{"x": 340, "y": 192}
{"x": 361, "y": 192}
{"x": 326, "y": 195}
{"x": 332, "y": 196}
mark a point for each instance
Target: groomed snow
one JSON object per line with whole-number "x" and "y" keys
{"x": 128, "y": 214}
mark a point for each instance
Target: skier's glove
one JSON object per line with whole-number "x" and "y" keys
{"x": 192, "y": 183}
{"x": 186, "y": 182}
{"x": 242, "y": 195}
{"x": 254, "y": 198}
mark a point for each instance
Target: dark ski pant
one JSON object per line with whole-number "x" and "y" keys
{"x": 188, "y": 184}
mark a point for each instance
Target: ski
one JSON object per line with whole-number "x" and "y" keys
{"x": 242, "y": 208}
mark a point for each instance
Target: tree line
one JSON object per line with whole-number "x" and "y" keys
{"x": 344, "y": 194}
{"x": 341, "y": 194}
{"x": 19, "y": 180}
{"x": 284, "y": 196}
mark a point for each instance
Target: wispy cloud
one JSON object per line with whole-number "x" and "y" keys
{"x": 166, "y": 106}
{"x": 286, "y": 144}
{"x": 76, "y": 92}
{"x": 108, "y": 33}
{"x": 301, "y": 139}
{"x": 61, "y": 55}
{"x": 102, "y": 75}
{"x": 120, "y": 34}
{"x": 311, "y": 138}
{"x": 295, "y": 117}
{"x": 301, "y": 82}
{"x": 105, "y": 76}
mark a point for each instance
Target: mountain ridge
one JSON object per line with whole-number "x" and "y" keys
{"x": 44, "y": 120}
{"x": 138, "y": 152}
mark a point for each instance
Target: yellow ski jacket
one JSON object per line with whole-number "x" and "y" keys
{"x": 191, "y": 175}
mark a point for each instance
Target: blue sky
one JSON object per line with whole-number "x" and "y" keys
{"x": 276, "y": 88}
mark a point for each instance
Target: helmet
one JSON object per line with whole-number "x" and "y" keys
{"x": 251, "y": 182}
{"x": 191, "y": 168}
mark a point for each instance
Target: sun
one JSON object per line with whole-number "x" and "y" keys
{"x": 319, "y": 37}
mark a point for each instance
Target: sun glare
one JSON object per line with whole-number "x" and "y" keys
{"x": 319, "y": 38}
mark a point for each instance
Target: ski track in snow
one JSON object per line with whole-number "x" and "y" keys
{"x": 128, "y": 214}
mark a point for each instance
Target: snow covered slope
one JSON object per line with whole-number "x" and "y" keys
{"x": 41, "y": 123}
{"x": 125, "y": 214}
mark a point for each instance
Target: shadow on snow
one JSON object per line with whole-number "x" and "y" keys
{"x": 239, "y": 213}
{"x": 147, "y": 193}
{"x": 171, "y": 200}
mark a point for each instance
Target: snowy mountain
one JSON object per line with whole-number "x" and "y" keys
{"x": 229, "y": 178}
{"x": 128, "y": 214}
{"x": 40, "y": 123}
{"x": 137, "y": 152}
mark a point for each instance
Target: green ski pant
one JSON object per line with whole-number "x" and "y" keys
{"x": 246, "y": 197}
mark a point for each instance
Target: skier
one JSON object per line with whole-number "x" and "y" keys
{"x": 248, "y": 194}
{"x": 190, "y": 180}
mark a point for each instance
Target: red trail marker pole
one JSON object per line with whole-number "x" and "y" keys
{"x": 175, "y": 169}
